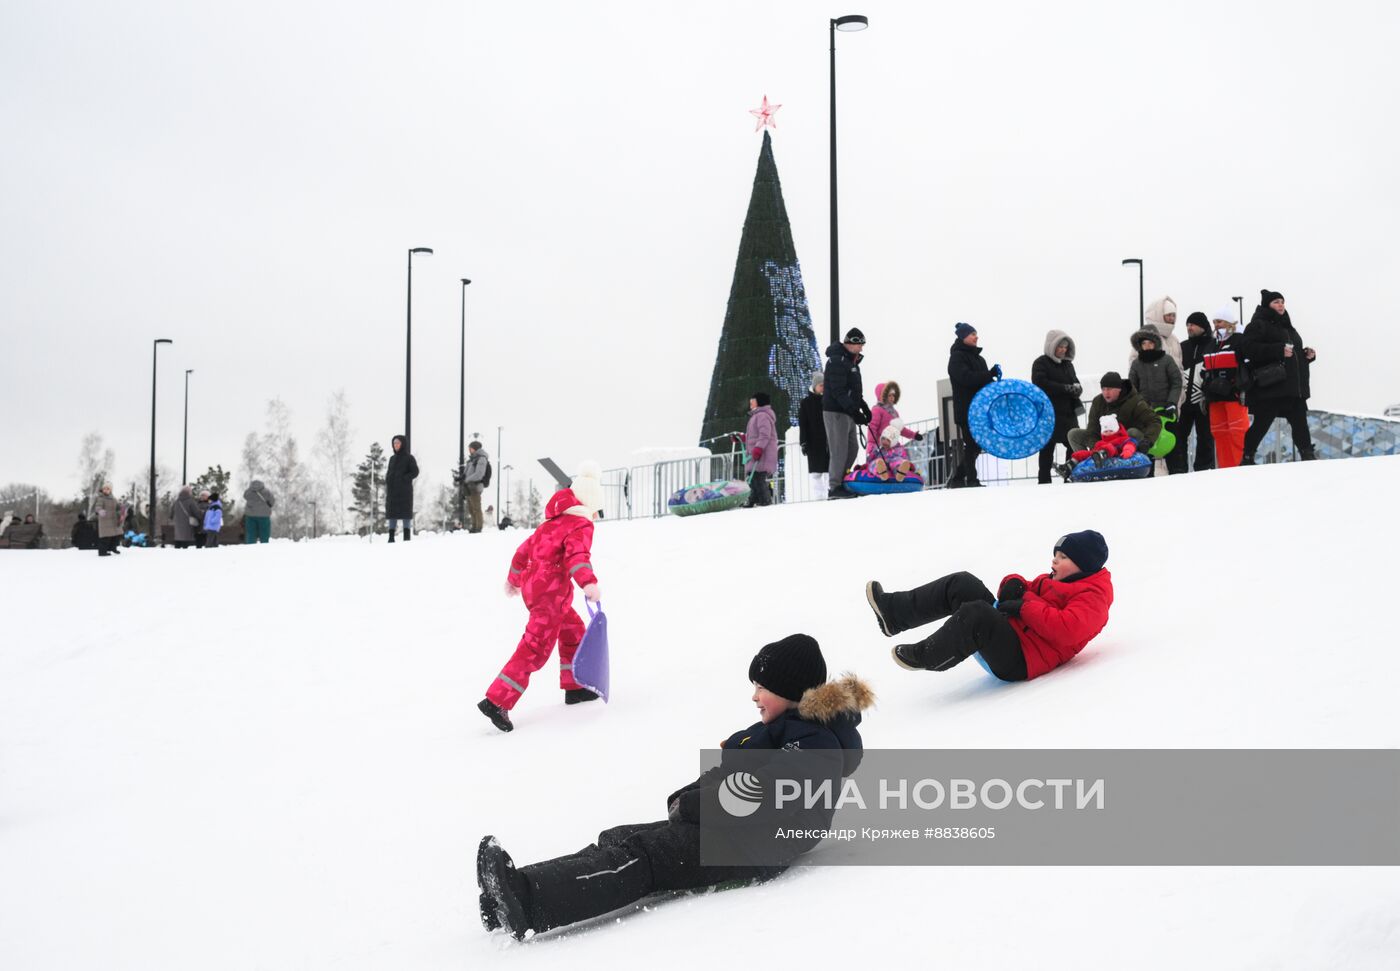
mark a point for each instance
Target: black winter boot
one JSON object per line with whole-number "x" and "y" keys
{"x": 407, "y": 533}
{"x": 1307, "y": 454}
{"x": 946, "y": 647}
{"x": 893, "y": 611}
{"x": 498, "y": 715}
{"x": 391, "y": 534}
{"x": 577, "y": 696}
{"x": 505, "y": 893}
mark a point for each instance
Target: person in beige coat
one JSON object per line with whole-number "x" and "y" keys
{"x": 109, "y": 521}
{"x": 1161, "y": 317}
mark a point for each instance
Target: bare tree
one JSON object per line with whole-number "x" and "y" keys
{"x": 334, "y": 448}
{"x": 95, "y": 464}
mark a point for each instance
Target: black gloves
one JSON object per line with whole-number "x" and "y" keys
{"x": 996, "y": 372}
{"x": 1010, "y": 608}
{"x": 1012, "y": 588}
{"x": 1075, "y": 389}
{"x": 1169, "y": 412}
{"x": 863, "y": 417}
{"x": 918, "y": 436}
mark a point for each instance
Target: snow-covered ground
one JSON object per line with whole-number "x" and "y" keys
{"x": 270, "y": 757}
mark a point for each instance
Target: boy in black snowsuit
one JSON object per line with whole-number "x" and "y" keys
{"x": 799, "y": 710}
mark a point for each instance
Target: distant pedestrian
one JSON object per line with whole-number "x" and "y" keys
{"x": 109, "y": 521}
{"x": 475, "y": 478}
{"x": 213, "y": 521}
{"x": 761, "y": 446}
{"x": 184, "y": 516}
{"x": 968, "y": 373}
{"x": 1229, "y": 418}
{"x": 258, "y": 501}
{"x": 1195, "y": 411}
{"x": 1280, "y": 377}
{"x": 398, "y": 489}
{"x": 811, "y": 431}
{"x": 1053, "y": 373}
{"x": 843, "y": 408}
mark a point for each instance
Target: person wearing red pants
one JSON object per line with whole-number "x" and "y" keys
{"x": 543, "y": 572}
{"x": 1229, "y": 419}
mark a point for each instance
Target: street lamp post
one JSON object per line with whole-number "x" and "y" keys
{"x": 1239, "y": 315}
{"x": 151, "y": 531}
{"x": 498, "y": 481}
{"x": 185, "y": 448}
{"x": 408, "y": 364}
{"x": 313, "y": 518}
{"x": 462, "y": 417}
{"x": 1142, "y": 306}
{"x": 506, "y": 469}
{"x": 850, "y": 22}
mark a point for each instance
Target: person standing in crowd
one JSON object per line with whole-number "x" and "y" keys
{"x": 475, "y": 478}
{"x": 258, "y": 501}
{"x": 1220, "y": 387}
{"x": 843, "y": 408}
{"x": 969, "y": 374}
{"x": 184, "y": 516}
{"x": 201, "y": 507}
{"x": 1157, "y": 378}
{"x": 811, "y": 431}
{"x": 398, "y": 489}
{"x": 1160, "y": 316}
{"x": 1053, "y": 373}
{"x": 1116, "y": 397}
{"x": 761, "y": 446}
{"x": 213, "y": 521}
{"x": 1279, "y": 376}
{"x": 109, "y": 521}
{"x": 1194, "y": 414}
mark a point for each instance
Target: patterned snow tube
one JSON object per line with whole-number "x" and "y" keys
{"x": 1137, "y": 467}
{"x": 1011, "y": 419}
{"x": 864, "y": 482}
{"x": 708, "y": 497}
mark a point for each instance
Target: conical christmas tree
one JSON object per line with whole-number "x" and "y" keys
{"x": 767, "y": 343}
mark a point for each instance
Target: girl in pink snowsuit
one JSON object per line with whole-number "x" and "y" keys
{"x": 543, "y": 570}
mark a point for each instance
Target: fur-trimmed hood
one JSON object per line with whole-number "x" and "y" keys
{"x": 1052, "y": 341}
{"x": 1148, "y": 333}
{"x": 847, "y": 695}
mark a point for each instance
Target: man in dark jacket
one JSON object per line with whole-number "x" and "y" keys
{"x": 1117, "y": 397}
{"x": 1279, "y": 368}
{"x": 1053, "y": 373}
{"x": 1195, "y": 413}
{"x": 811, "y": 430}
{"x": 398, "y": 489}
{"x": 799, "y": 710}
{"x": 969, "y": 374}
{"x": 843, "y": 408}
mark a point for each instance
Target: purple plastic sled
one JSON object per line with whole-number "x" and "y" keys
{"x": 591, "y": 659}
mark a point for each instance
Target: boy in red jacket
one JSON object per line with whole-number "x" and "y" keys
{"x": 1030, "y": 626}
{"x": 542, "y": 570}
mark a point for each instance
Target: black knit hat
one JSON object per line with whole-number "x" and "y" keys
{"x": 1112, "y": 379}
{"x": 790, "y": 666}
{"x": 1199, "y": 319}
{"x": 1267, "y": 297}
{"x": 854, "y": 336}
{"x": 762, "y": 398}
{"x": 1087, "y": 549}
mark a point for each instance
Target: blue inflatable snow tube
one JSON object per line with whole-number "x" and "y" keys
{"x": 1011, "y": 419}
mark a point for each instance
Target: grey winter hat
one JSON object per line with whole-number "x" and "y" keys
{"x": 818, "y": 377}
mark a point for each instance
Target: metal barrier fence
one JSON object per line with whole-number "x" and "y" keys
{"x": 642, "y": 491}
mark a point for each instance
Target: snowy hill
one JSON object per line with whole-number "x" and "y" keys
{"x": 269, "y": 757}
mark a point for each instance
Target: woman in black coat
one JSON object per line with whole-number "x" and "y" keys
{"x": 968, "y": 374}
{"x": 398, "y": 489}
{"x": 1053, "y": 373}
{"x": 811, "y": 430}
{"x": 1279, "y": 380}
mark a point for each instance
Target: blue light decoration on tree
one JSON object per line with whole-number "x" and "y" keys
{"x": 767, "y": 342}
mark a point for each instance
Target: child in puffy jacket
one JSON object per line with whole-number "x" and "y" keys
{"x": 799, "y": 711}
{"x": 542, "y": 571}
{"x": 213, "y": 521}
{"x": 1114, "y": 443}
{"x": 761, "y": 447}
{"x": 1028, "y": 628}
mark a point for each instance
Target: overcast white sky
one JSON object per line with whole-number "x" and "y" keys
{"x": 246, "y": 180}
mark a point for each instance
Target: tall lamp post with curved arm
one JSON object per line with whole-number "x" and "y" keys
{"x": 408, "y": 366}
{"x": 846, "y": 24}
{"x": 151, "y": 531}
{"x": 1142, "y": 306}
